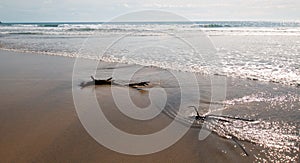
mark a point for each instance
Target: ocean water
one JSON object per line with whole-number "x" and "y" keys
{"x": 265, "y": 51}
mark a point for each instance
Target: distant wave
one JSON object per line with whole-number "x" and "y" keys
{"x": 208, "y": 24}
{"x": 29, "y": 25}
{"x": 26, "y": 33}
{"x": 214, "y": 25}
{"x": 82, "y": 29}
{"x": 101, "y": 29}
{"x": 48, "y": 25}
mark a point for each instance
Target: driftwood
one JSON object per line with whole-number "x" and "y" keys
{"x": 94, "y": 81}
{"x": 109, "y": 81}
{"x": 218, "y": 117}
{"x": 138, "y": 85}
{"x": 222, "y": 118}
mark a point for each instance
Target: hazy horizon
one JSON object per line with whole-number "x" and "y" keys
{"x": 192, "y": 21}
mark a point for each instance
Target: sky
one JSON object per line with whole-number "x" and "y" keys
{"x": 100, "y": 10}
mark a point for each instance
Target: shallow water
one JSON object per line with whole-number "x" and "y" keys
{"x": 273, "y": 135}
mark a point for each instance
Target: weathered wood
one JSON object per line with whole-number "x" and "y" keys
{"x": 108, "y": 81}
{"x": 138, "y": 85}
{"x": 203, "y": 118}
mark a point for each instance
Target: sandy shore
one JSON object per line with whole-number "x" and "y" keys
{"x": 38, "y": 120}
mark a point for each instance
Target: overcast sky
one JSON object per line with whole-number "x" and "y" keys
{"x": 97, "y": 10}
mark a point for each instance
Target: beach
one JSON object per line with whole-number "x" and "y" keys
{"x": 204, "y": 91}
{"x": 39, "y": 122}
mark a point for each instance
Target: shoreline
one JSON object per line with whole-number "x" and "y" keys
{"x": 39, "y": 121}
{"x": 68, "y": 56}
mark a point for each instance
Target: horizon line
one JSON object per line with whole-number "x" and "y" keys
{"x": 191, "y": 21}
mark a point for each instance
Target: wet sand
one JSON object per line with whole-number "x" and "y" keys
{"x": 39, "y": 123}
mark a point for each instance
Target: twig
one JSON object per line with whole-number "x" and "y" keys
{"x": 238, "y": 143}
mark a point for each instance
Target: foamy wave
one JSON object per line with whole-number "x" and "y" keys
{"x": 79, "y": 29}
{"x": 287, "y": 78}
{"x": 261, "y": 97}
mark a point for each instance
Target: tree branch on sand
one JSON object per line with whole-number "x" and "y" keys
{"x": 109, "y": 81}
{"x": 222, "y": 118}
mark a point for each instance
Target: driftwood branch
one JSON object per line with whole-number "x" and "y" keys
{"x": 109, "y": 81}
{"x": 235, "y": 139}
{"x": 138, "y": 85}
{"x": 223, "y": 119}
